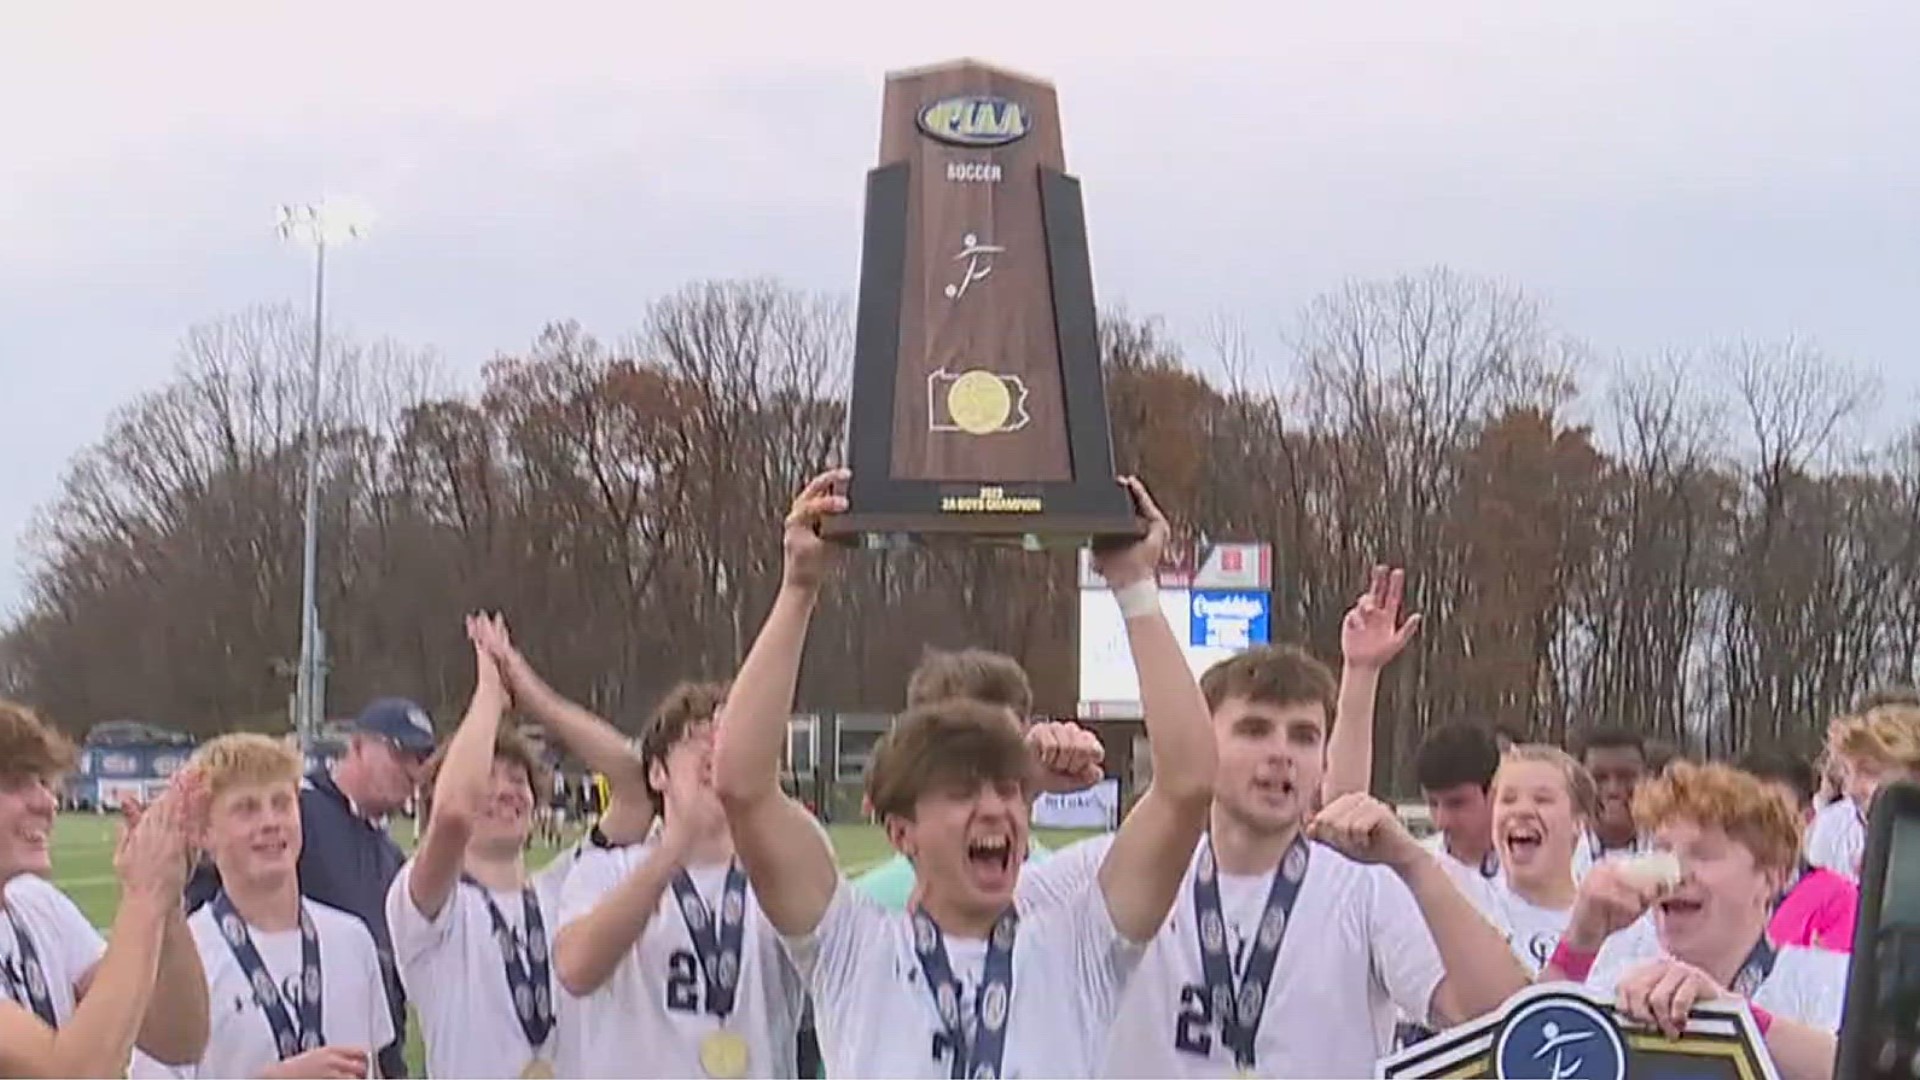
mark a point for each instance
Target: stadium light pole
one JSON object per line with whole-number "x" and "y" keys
{"x": 321, "y": 225}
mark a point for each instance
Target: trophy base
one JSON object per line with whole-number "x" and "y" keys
{"x": 1054, "y": 532}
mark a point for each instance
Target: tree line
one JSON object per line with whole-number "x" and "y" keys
{"x": 1699, "y": 545}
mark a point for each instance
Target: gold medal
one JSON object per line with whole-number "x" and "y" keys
{"x": 723, "y": 1055}
{"x": 537, "y": 1069}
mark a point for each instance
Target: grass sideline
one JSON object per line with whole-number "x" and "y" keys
{"x": 83, "y": 868}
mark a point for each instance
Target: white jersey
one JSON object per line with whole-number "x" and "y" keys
{"x": 1357, "y": 949}
{"x": 455, "y": 975}
{"x": 64, "y": 942}
{"x": 1590, "y": 852}
{"x": 1836, "y": 840}
{"x": 1808, "y": 986}
{"x": 1532, "y": 932}
{"x": 876, "y": 1016}
{"x": 353, "y": 1009}
{"x": 1467, "y": 875}
{"x": 649, "y": 1017}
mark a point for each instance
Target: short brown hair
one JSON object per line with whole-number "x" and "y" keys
{"x": 1581, "y": 790}
{"x": 245, "y": 757}
{"x": 508, "y": 745}
{"x": 974, "y": 674}
{"x": 30, "y": 748}
{"x": 1720, "y": 796}
{"x": 957, "y": 741}
{"x": 1272, "y": 675}
{"x": 685, "y": 705}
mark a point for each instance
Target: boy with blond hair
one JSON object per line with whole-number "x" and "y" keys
{"x": 295, "y": 985}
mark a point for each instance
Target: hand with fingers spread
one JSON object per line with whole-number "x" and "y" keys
{"x": 807, "y": 553}
{"x": 1611, "y": 898}
{"x": 1066, "y": 757}
{"x": 1662, "y": 992}
{"x": 1372, "y": 633}
{"x": 487, "y": 633}
{"x": 1138, "y": 560}
{"x": 1366, "y": 830}
{"x": 152, "y": 857}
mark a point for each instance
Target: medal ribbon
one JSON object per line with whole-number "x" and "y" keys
{"x": 719, "y": 955}
{"x": 1241, "y": 1008}
{"x": 529, "y": 967}
{"x": 980, "y": 1054}
{"x": 288, "y": 1039}
{"x": 1755, "y": 968}
{"x": 28, "y": 986}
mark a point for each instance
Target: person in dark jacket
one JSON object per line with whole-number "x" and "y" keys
{"x": 347, "y": 858}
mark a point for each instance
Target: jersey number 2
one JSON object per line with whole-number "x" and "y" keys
{"x": 683, "y": 982}
{"x": 1193, "y": 1031}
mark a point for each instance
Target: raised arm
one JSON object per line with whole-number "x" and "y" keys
{"x": 1371, "y": 635}
{"x": 586, "y": 736}
{"x": 461, "y": 791}
{"x": 175, "y": 1029}
{"x": 1142, "y": 871}
{"x": 784, "y": 853}
{"x": 1480, "y": 971}
{"x": 98, "y": 1039}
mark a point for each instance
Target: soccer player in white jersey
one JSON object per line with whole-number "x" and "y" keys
{"x": 1454, "y": 768}
{"x": 1618, "y": 762}
{"x": 1736, "y": 843}
{"x": 75, "y": 1005}
{"x": 295, "y": 985}
{"x": 1542, "y": 801}
{"x": 472, "y": 929}
{"x": 961, "y": 985}
{"x": 1297, "y": 935}
{"x": 677, "y": 970}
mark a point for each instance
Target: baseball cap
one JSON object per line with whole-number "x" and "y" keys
{"x": 400, "y": 721}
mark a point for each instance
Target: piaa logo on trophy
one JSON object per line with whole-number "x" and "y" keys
{"x": 976, "y": 120}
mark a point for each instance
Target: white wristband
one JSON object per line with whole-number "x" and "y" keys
{"x": 1138, "y": 599}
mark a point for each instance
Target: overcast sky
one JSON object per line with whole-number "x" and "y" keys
{"x": 1663, "y": 173}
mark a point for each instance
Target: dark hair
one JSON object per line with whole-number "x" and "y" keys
{"x": 1272, "y": 675}
{"x": 976, "y": 674}
{"x": 508, "y": 745}
{"x": 958, "y": 741}
{"x": 1610, "y": 738}
{"x": 1455, "y": 754}
{"x": 1782, "y": 766}
{"x": 686, "y": 705}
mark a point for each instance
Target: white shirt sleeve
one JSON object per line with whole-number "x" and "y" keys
{"x": 1064, "y": 876}
{"x": 414, "y": 934}
{"x": 1405, "y": 959}
{"x": 1103, "y": 958}
{"x": 594, "y": 874}
{"x": 828, "y": 957}
{"x": 1808, "y": 986}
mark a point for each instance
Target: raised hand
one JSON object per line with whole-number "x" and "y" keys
{"x": 152, "y": 857}
{"x": 1365, "y": 830}
{"x": 1066, "y": 757}
{"x": 807, "y": 554}
{"x": 1611, "y": 898}
{"x": 1135, "y": 561}
{"x": 489, "y": 637}
{"x": 1662, "y": 992}
{"x": 1372, "y": 633}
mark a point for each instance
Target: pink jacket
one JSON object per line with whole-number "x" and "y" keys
{"x": 1818, "y": 912}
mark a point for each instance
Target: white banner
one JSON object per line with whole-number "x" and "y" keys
{"x": 1097, "y": 807}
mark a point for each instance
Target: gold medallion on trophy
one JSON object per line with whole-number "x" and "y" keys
{"x": 979, "y": 402}
{"x": 723, "y": 1055}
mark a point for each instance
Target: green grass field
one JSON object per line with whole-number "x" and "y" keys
{"x": 83, "y": 868}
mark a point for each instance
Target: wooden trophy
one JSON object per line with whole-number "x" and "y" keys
{"x": 978, "y": 406}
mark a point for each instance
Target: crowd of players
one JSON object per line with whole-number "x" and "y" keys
{"x": 1257, "y": 912}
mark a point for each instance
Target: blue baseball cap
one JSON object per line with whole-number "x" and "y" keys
{"x": 401, "y": 722}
